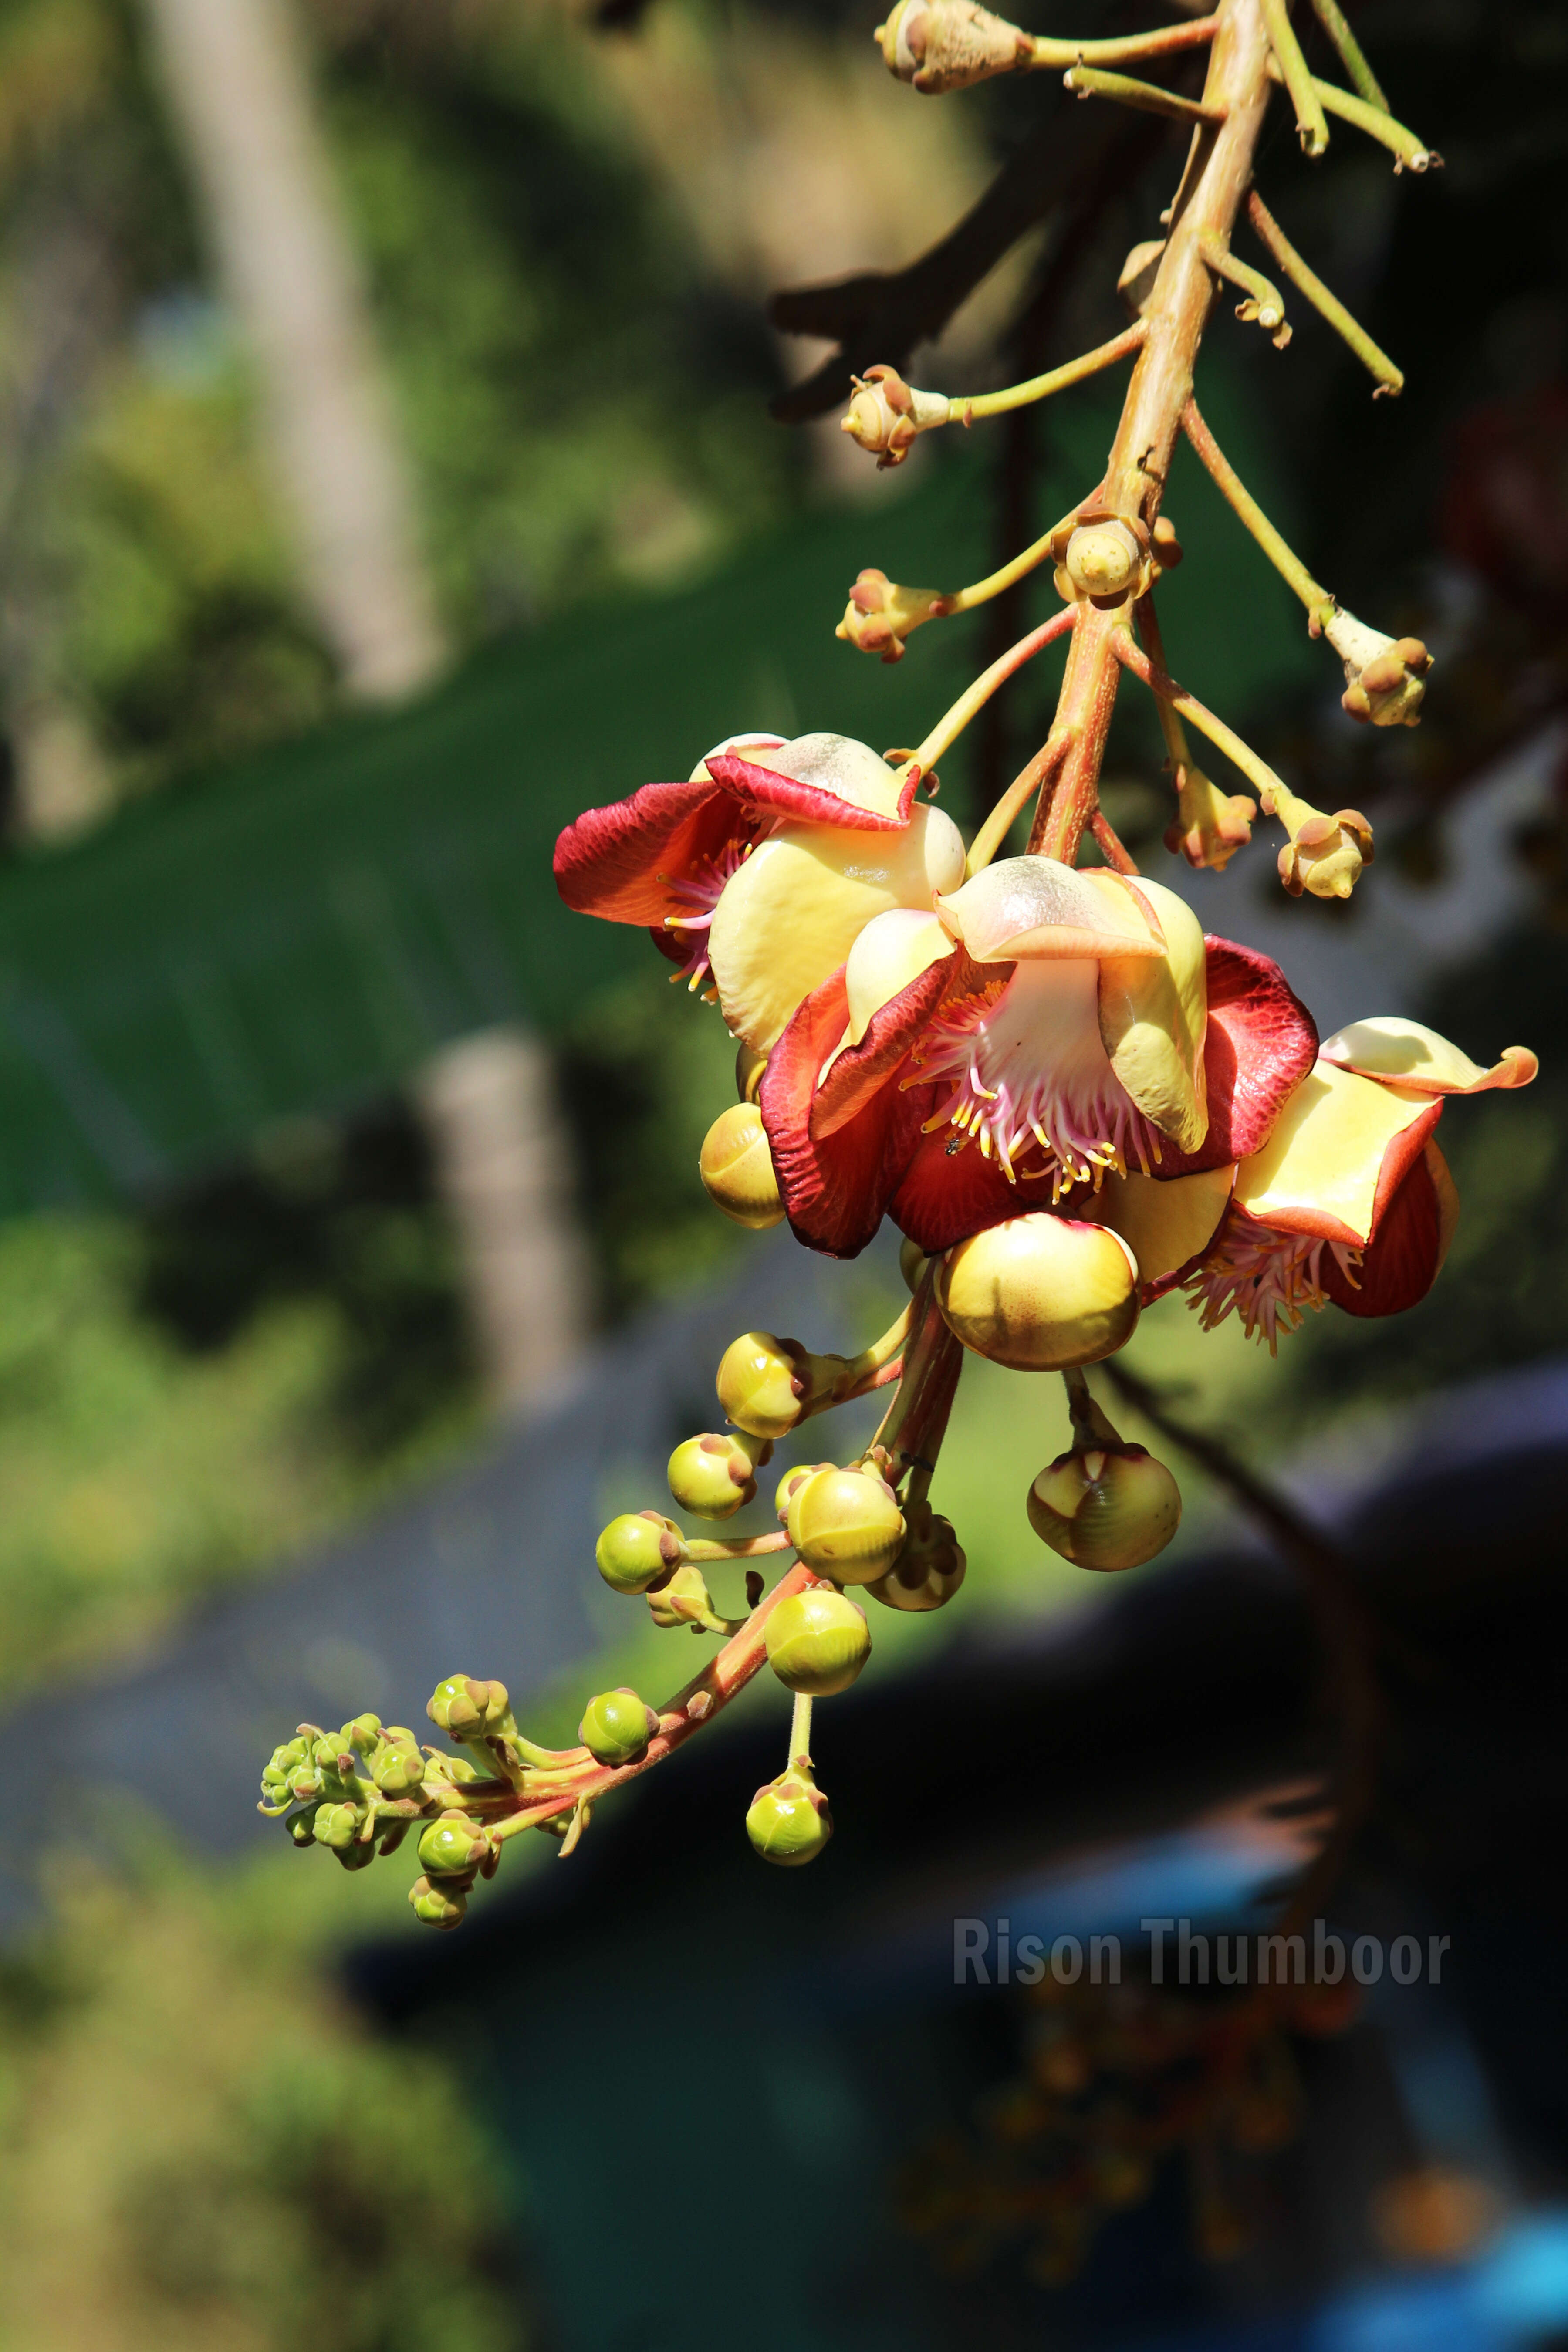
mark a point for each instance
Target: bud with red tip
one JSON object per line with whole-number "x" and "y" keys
{"x": 789, "y": 1821}
{"x": 713, "y": 1477}
{"x": 881, "y": 616}
{"x": 1385, "y": 677}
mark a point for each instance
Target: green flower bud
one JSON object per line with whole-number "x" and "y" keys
{"x": 277, "y": 1775}
{"x": 453, "y": 1846}
{"x": 467, "y": 1707}
{"x": 397, "y": 1768}
{"x": 1106, "y": 1510}
{"x": 818, "y": 1643}
{"x": 789, "y": 1821}
{"x": 847, "y": 1524}
{"x": 355, "y": 1857}
{"x": 785, "y": 1488}
{"x": 638, "y": 1549}
{"x": 685, "y": 1600}
{"x": 713, "y": 1477}
{"x": 929, "y": 1566}
{"x": 737, "y": 1169}
{"x": 361, "y": 1735}
{"x": 437, "y": 1905}
{"x": 617, "y": 1727}
{"x": 338, "y": 1825}
{"x": 766, "y": 1385}
{"x": 303, "y": 1827}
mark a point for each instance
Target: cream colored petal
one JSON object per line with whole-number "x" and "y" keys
{"x": 1405, "y": 1053}
{"x": 836, "y": 763}
{"x": 1037, "y": 907}
{"x": 1325, "y": 1154}
{"x": 1153, "y": 1012}
{"x": 892, "y": 950}
{"x": 792, "y": 913}
{"x": 1164, "y": 1225}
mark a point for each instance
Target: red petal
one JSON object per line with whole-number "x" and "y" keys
{"x": 836, "y": 1187}
{"x": 948, "y": 1194}
{"x": 807, "y": 804}
{"x": 860, "y": 1069}
{"x": 1402, "y": 1258}
{"x": 609, "y": 860}
{"x": 1261, "y": 1043}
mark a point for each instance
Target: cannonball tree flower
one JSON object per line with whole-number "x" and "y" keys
{"x": 757, "y": 874}
{"x": 1070, "y": 1099}
{"x": 1045, "y": 1029}
{"x": 1350, "y": 1203}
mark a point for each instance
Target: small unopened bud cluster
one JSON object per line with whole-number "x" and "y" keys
{"x": 1210, "y": 826}
{"x": 1108, "y": 558}
{"x": 938, "y": 45}
{"x": 1385, "y": 677}
{"x": 887, "y": 415}
{"x": 1323, "y": 855}
{"x": 880, "y": 618}
{"x": 353, "y": 1791}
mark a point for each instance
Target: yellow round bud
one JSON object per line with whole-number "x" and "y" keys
{"x": 913, "y": 1264}
{"x": 929, "y": 1566}
{"x": 789, "y": 1821}
{"x": 637, "y": 1549}
{"x": 763, "y": 1383}
{"x": 790, "y": 1481}
{"x": 818, "y": 1643}
{"x": 1103, "y": 558}
{"x": 712, "y": 1476}
{"x": 1040, "y": 1293}
{"x": 845, "y": 1524}
{"x": 1106, "y": 1510}
{"x": 737, "y": 1168}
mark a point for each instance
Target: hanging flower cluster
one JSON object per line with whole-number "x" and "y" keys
{"x": 1067, "y": 1098}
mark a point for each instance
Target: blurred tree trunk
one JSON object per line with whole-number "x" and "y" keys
{"x": 489, "y": 1103}
{"x": 62, "y": 297}
{"x": 237, "y": 82}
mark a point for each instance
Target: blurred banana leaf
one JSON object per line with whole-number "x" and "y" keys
{"x": 299, "y": 933}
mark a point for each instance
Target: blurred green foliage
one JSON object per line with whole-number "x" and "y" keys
{"x": 188, "y": 1398}
{"x": 201, "y": 2150}
{"x": 582, "y": 404}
